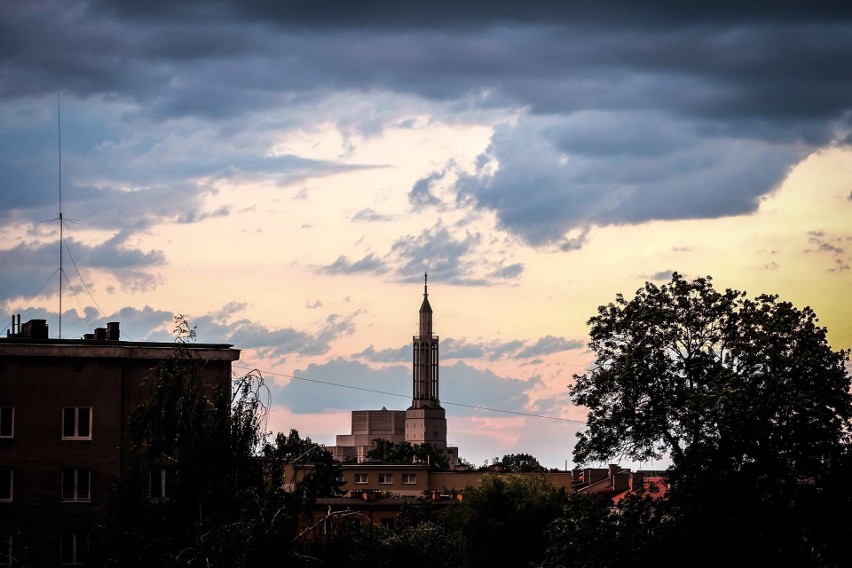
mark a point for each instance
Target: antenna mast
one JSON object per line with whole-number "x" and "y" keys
{"x": 61, "y": 222}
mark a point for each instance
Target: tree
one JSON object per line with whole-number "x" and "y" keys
{"x": 405, "y": 452}
{"x": 518, "y": 463}
{"x": 192, "y": 464}
{"x": 502, "y": 522}
{"x": 746, "y": 396}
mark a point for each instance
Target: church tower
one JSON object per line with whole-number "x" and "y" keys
{"x": 425, "y": 419}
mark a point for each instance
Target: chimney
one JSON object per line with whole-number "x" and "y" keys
{"x": 100, "y": 333}
{"x": 113, "y": 333}
{"x": 35, "y": 329}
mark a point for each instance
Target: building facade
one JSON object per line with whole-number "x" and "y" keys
{"x": 425, "y": 421}
{"x": 64, "y": 405}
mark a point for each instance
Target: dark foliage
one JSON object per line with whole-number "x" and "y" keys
{"x": 750, "y": 402}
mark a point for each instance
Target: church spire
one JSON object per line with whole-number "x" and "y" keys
{"x": 425, "y": 310}
{"x": 425, "y": 373}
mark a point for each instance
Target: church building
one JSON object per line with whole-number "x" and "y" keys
{"x": 425, "y": 421}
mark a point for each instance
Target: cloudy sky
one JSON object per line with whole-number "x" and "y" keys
{"x": 283, "y": 174}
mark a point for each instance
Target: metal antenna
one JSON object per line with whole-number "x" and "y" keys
{"x": 61, "y": 222}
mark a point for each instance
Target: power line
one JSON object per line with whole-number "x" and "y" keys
{"x": 363, "y": 389}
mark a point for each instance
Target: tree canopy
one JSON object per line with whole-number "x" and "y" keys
{"x": 687, "y": 370}
{"x": 748, "y": 399}
{"x": 405, "y": 452}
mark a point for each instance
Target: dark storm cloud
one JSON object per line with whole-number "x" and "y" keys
{"x": 631, "y": 111}
{"x": 343, "y": 384}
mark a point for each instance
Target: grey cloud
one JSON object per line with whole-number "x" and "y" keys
{"x": 451, "y": 257}
{"x": 460, "y": 349}
{"x": 197, "y": 217}
{"x": 421, "y": 193}
{"x": 369, "y": 263}
{"x": 663, "y": 275}
{"x": 550, "y": 344}
{"x": 390, "y": 355}
{"x": 544, "y": 180}
{"x": 370, "y": 216}
{"x": 633, "y": 111}
{"x": 440, "y": 253}
{"x": 452, "y": 348}
{"x": 509, "y": 272}
{"x": 35, "y": 262}
{"x": 351, "y": 385}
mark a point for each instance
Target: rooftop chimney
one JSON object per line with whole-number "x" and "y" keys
{"x": 113, "y": 333}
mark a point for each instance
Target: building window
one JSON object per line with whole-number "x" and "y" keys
{"x": 72, "y": 549}
{"x": 409, "y": 478}
{"x": 361, "y": 478}
{"x": 6, "y": 478}
{"x": 385, "y": 478}
{"x": 160, "y": 483}
{"x": 77, "y": 423}
{"x": 76, "y": 484}
{"x": 7, "y": 421}
{"x": 387, "y": 523}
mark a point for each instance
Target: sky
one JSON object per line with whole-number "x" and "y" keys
{"x": 284, "y": 173}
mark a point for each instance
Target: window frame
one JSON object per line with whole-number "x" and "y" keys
{"x": 77, "y": 422}
{"x": 165, "y": 487}
{"x": 385, "y": 479}
{"x": 11, "y": 496}
{"x": 7, "y": 410}
{"x": 409, "y": 479}
{"x": 361, "y": 479}
{"x": 75, "y": 494}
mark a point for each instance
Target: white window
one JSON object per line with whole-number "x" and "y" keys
{"x": 76, "y": 484}
{"x": 361, "y": 478}
{"x": 409, "y": 478}
{"x": 160, "y": 483}
{"x": 6, "y": 479}
{"x": 77, "y": 423}
{"x": 7, "y": 421}
{"x": 72, "y": 548}
{"x": 385, "y": 478}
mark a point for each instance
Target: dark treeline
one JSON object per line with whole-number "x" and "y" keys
{"x": 744, "y": 395}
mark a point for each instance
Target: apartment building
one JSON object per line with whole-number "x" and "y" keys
{"x": 64, "y": 405}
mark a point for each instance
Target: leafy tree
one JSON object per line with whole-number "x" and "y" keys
{"x": 592, "y": 533}
{"x": 405, "y": 452}
{"x": 226, "y": 500}
{"x": 502, "y": 522}
{"x": 199, "y": 439}
{"x": 519, "y": 463}
{"x": 745, "y": 395}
